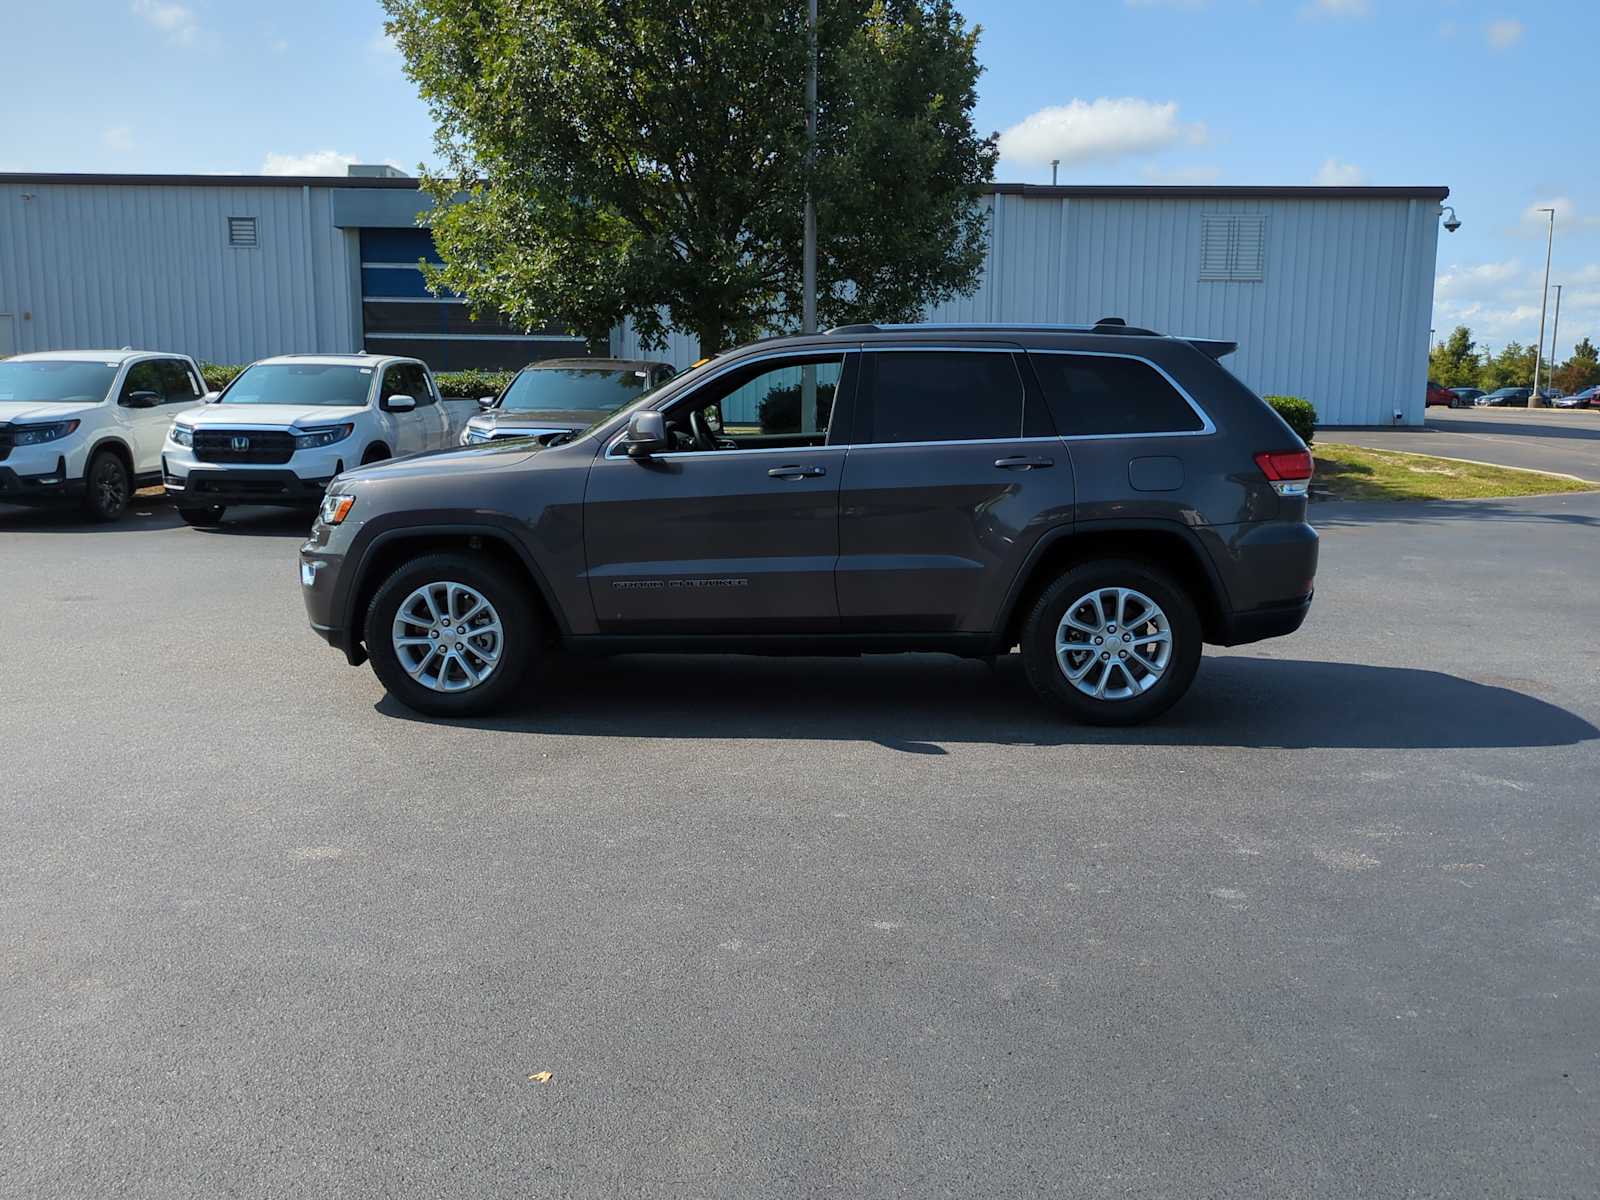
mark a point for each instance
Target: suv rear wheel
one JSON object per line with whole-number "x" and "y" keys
{"x": 450, "y": 635}
{"x": 1112, "y": 643}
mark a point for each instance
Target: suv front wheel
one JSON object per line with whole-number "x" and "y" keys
{"x": 1112, "y": 643}
{"x": 450, "y": 635}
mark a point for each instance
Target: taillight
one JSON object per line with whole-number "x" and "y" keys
{"x": 1288, "y": 470}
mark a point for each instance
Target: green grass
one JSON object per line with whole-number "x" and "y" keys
{"x": 1357, "y": 473}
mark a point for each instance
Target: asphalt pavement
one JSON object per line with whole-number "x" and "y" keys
{"x": 1538, "y": 439}
{"x": 875, "y": 928}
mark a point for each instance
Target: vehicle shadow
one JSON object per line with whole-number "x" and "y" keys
{"x": 915, "y": 703}
{"x": 1584, "y": 426}
{"x": 1560, "y": 508}
{"x": 148, "y": 513}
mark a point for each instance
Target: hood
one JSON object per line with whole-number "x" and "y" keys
{"x": 487, "y": 457}
{"x": 31, "y": 412}
{"x": 504, "y": 422}
{"x": 269, "y": 416}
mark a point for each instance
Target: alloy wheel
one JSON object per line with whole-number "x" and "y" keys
{"x": 1114, "y": 643}
{"x": 447, "y": 636}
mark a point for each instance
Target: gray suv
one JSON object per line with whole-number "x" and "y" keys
{"x": 1105, "y": 498}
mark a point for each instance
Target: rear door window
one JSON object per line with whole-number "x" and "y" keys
{"x": 1100, "y": 396}
{"x": 939, "y": 396}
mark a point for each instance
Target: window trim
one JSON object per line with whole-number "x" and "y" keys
{"x": 1207, "y": 425}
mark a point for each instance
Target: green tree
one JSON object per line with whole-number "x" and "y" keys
{"x": 1512, "y": 367}
{"x": 648, "y": 159}
{"x": 1580, "y": 371}
{"x": 1454, "y": 362}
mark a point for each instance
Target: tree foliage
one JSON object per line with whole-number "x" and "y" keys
{"x": 648, "y": 159}
{"x": 1454, "y": 362}
{"x": 1580, "y": 371}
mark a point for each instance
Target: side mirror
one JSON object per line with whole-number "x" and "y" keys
{"x": 210, "y": 397}
{"x": 398, "y": 404}
{"x": 647, "y": 434}
{"x": 142, "y": 399}
{"x": 486, "y": 402}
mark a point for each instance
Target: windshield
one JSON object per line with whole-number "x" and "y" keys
{"x": 56, "y": 381}
{"x": 564, "y": 389}
{"x": 322, "y": 385}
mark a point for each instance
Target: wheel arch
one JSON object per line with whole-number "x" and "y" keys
{"x": 1162, "y": 544}
{"x": 117, "y": 446}
{"x": 376, "y": 451}
{"x": 390, "y": 548}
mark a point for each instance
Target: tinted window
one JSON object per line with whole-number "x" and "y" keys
{"x": 940, "y": 396}
{"x": 1089, "y": 395}
{"x": 415, "y": 380}
{"x": 179, "y": 382}
{"x": 144, "y": 376}
{"x": 323, "y": 384}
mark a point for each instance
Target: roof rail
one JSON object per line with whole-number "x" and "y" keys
{"x": 1113, "y": 325}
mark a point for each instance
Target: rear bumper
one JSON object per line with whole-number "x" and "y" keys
{"x": 49, "y": 487}
{"x": 221, "y": 485}
{"x": 1259, "y": 624}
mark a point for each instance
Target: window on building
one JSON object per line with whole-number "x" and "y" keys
{"x": 1091, "y": 395}
{"x": 241, "y": 231}
{"x": 939, "y": 396}
{"x": 1233, "y": 247}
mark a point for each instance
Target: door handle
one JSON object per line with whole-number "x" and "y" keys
{"x": 1023, "y": 462}
{"x": 796, "y": 472}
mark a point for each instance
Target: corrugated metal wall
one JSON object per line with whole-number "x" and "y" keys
{"x": 1340, "y": 315}
{"x": 98, "y": 266}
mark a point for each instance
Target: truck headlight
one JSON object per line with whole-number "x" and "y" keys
{"x": 336, "y": 508}
{"x": 182, "y": 435}
{"x": 327, "y": 435}
{"x": 476, "y": 436}
{"x": 32, "y": 435}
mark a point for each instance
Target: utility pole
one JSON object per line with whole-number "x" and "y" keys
{"x": 808, "y": 263}
{"x": 1544, "y": 298}
{"x": 1555, "y": 329}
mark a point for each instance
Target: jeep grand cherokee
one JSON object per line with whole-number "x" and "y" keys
{"x": 1105, "y": 498}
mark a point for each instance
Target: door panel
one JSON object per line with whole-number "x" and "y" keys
{"x": 715, "y": 542}
{"x": 931, "y": 536}
{"x": 147, "y": 427}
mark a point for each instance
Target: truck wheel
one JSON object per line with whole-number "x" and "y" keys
{"x": 206, "y": 516}
{"x": 1113, "y": 643}
{"x": 451, "y": 635}
{"x": 106, "y": 487}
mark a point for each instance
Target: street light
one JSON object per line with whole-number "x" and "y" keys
{"x": 1555, "y": 330}
{"x": 1534, "y": 400}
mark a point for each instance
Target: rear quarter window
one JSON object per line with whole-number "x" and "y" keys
{"x": 1092, "y": 395}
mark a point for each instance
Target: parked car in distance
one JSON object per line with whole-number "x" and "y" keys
{"x": 1467, "y": 395}
{"x": 1587, "y": 398}
{"x": 1440, "y": 397}
{"x": 286, "y": 426}
{"x": 558, "y": 396}
{"x": 1106, "y": 498}
{"x": 86, "y": 426}
{"x": 1506, "y": 397}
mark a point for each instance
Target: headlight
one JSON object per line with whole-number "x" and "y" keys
{"x": 32, "y": 435}
{"x": 474, "y": 436}
{"x": 182, "y": 435}
{"x": 325, "y": 436}
{"x": 335, "y": 509}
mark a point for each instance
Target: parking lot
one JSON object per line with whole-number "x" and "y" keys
{"x": 1538, "y": 439}
{"x": 879, "y": 927}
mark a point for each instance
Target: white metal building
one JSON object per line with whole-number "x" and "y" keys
{"x": 1328, "y": 291}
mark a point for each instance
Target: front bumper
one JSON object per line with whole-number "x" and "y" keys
{"x": 319, "y": 582}
{"x": 243, "y": 485}
{"x": 38, "y": 487}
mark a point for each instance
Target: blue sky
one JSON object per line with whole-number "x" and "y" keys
{"x": 1494, "y": 99}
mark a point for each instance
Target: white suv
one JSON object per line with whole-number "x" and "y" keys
{"x": 282, "y": 430}
{"x": 88, "y": 425}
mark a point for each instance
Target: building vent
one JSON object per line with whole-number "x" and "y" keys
{"x": 241, "y": 231}
{"x": 1233, "y": 248}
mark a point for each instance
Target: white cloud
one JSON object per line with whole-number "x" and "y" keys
{"x": 1097, "y": 131}
{"x": 279, "y": 45}
{"x": 1504, "y": 33}
{"x": 175, "y": 20}
{"x": 1483, "y": 278}
{"x": 1334, "y": 173}
{"x": 316, "y": 162}
{"x": 1336, "y": 8}
{"x": 1568, "y": 215}
{"x": 1182, "y": 175}
{"x": 1499, "y": 302}
{"x": 118, "y": 137}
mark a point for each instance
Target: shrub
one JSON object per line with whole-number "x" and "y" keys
{"x": 779, "y": 410}
{"x": 218, "y": 375}
{"x": 469, "y": 385}
{"x": 1300, "y": 415}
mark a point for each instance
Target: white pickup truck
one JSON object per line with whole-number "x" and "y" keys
{"x": 282, "y": 430}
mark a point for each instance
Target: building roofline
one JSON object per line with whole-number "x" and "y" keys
{"x": 1113, "y": 191}
{"x": 86, "y": 180}
{"x": 1047, "y": 191}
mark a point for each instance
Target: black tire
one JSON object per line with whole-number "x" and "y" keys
{"x": 207, "y": 516}
{"x": 374, "y": 454}
{"x": 508, "y": 597}
{"x": 107, "y": 487}
{"x": 1050, "y": 680}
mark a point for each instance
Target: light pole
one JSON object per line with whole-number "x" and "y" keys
{"x": 1555, "y": 329}
{"x": 808, "y": 256}
{"x": 1544, "y": 298}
